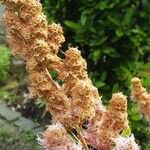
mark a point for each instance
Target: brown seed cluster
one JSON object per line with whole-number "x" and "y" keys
{"x": 56, "y": 138}
{"x": 74, "y": 101}
{"x": 111, "y": 122}
{"x": 30, "y": 37}
{"x": 142, "y": 97}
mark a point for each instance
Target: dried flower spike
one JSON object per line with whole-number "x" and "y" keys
{"x": 76, "y": 100}
{"x": 102, "y": 131}
{"x": 141, "y": 96}
{"x": 30, "y": 36}
{"x": 56, "y": 138}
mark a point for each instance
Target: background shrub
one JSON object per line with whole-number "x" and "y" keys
{"x": 114, "y": 37}
{"x": 4, "y": 63}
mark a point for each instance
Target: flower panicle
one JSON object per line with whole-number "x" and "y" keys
{"x": 56, "y": 137}
{"x": 31, "y": 37}
{"x": 76, "y": 99}
{"x": 109, "y": 124}
{"x": 141, "y": 97}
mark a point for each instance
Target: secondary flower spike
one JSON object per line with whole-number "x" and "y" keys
{"x": 141, "y": 96}
{"x": 102, "y": 131}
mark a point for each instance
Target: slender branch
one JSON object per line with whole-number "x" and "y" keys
{"x": 53, "y": 82}
{"x": 80, "y": 136}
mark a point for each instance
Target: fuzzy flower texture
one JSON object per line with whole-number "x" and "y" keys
{"x": 141, "y": 97}
{"x": 76, "y": 99}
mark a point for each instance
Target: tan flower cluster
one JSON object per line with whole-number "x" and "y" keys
{"x": 78, "y": 87}
{"x": 74, "y": 101}
{"x": 60, "y": 140}
{"x": 30, "y": 36}
{"x": 141, "y": 96}
{"x": 104, "y": 130}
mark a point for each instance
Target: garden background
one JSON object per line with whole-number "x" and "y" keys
{"x": 114, "y": 38}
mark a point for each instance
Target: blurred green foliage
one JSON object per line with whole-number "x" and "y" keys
{"x": 114, "y": 37}
{"x": 4, "y": 63}
{"x": 15, "y": 139}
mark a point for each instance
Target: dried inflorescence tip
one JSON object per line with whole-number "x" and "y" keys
{"x": 56, "y": 138}
{"x": 141, "y": 96}
{"x": 111, "y": 122}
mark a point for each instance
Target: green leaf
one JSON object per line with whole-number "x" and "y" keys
{"x": 126, "y": 132}
{"x": 96, "y": 54}
{"x": 83, "y": 19}
{"x": 114, "y": 19}
{"x": 119, "y": 33}
{"x": 135, "y": 117}
{"x": 84, "y": 15}
{"x": 115, "y": 88}
{"x": 99, "y": 84}
{"x": 128, "y": 15}
{"x": 108, "y": 50}
{"x": 103, "y": 76}
{"x": 102, "y": 5}
{"x": 124, "y": 3}
{"x": 138, "y": 31}
{"x": 97, "y": 42}
{"x": 72, "y": 25}
{"x": 53, "y": 74}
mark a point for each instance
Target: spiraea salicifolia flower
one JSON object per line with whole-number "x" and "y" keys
{"x": 141, "y": 96}
{"x": 126, "y": 143}
{"x": 100, "y": 133}
{"x": 30, "y": 36}
{"x": 75, "y": 100}
{"x": 38, "y": 43}
{"x": 78, "y": 87}
{"x": 56, "y": 138}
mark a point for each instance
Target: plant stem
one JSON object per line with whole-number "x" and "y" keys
{"x": 82, "y": 138}
{"x": 53, "y": 82}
